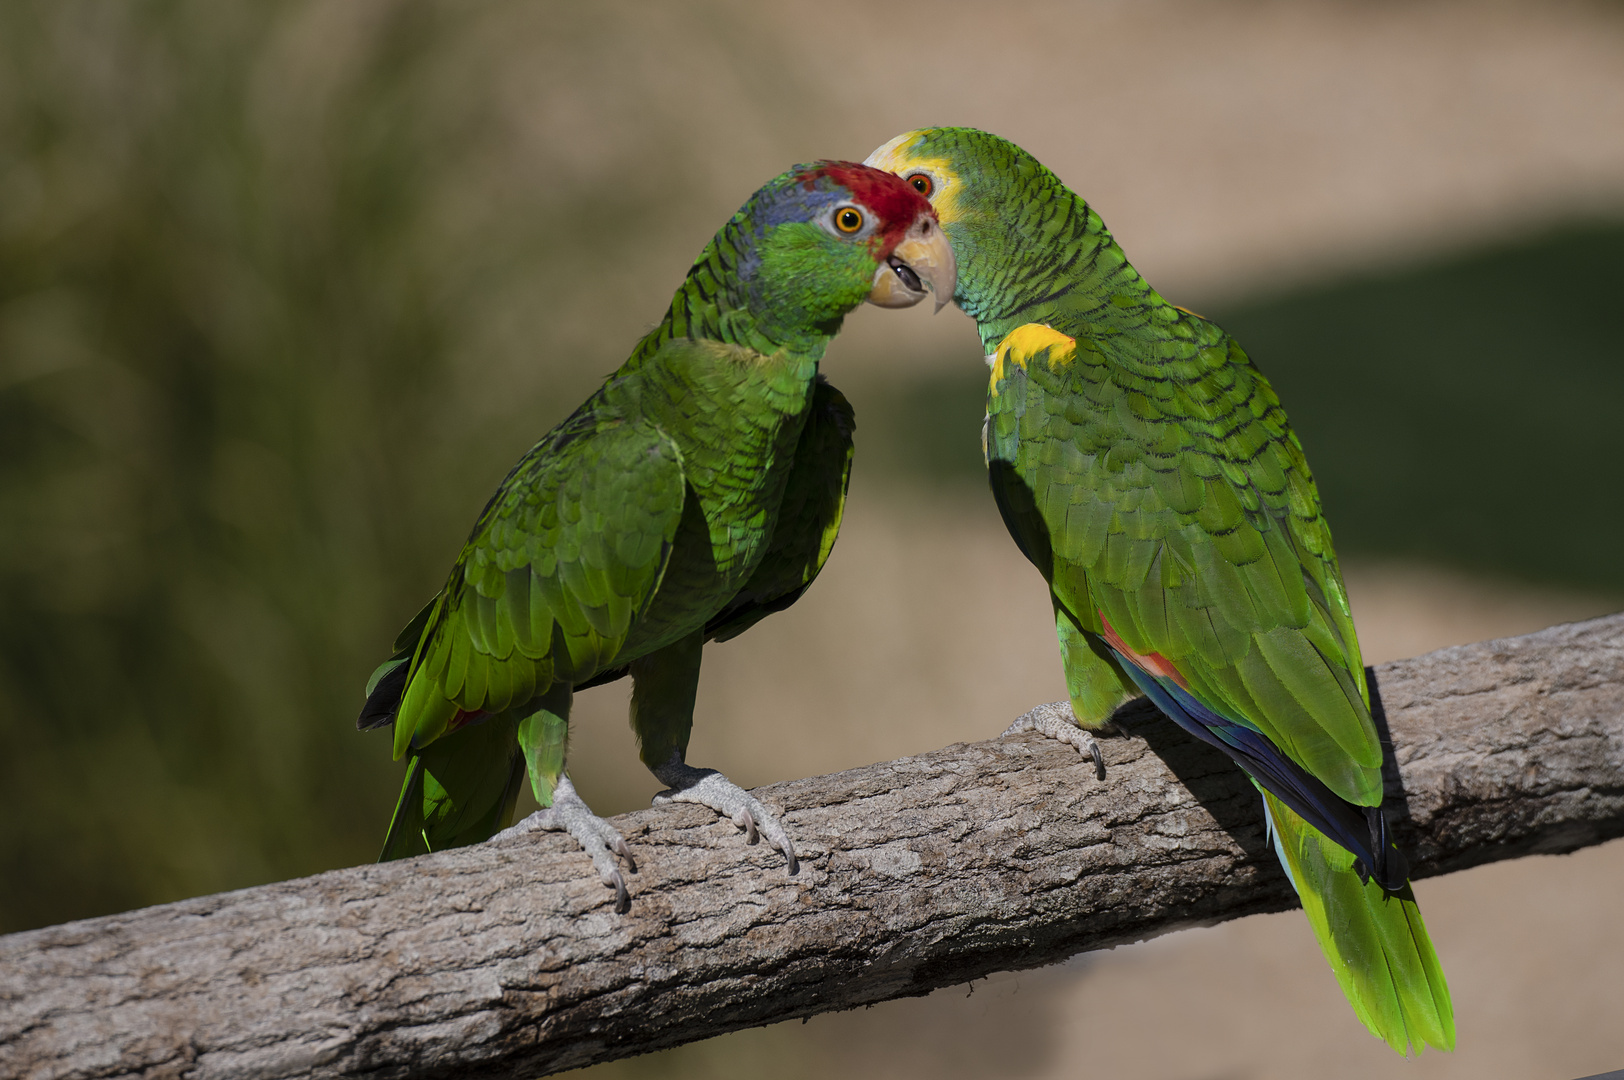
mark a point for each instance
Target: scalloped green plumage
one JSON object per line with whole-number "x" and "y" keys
{"x": 648, "y": 516}
{"x": 1146, "y": 467}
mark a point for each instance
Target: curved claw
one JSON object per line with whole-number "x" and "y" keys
{"x": 778, "y": 838}
{"x": 625, "y": 852}
{"x": 608, "y": 872}
{"x": 623, "y": 899}
{"x": 707, "y": 787}
{"x": 747, "y": 821}
{"x": 599, "y": 839}
{"x": 1099, "y": 760}
{"x": 1056, "y": 721}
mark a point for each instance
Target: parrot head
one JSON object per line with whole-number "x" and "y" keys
{"x": 825, "y": 237}
{"x": 975, "y": 181}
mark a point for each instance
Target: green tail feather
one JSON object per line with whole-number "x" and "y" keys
{"x": 460, "y": 789}
{"x": 1375, "y": 941}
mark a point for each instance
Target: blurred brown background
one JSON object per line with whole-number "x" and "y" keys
{"x": 286, "y": 287}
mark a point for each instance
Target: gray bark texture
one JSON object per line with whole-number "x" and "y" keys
{"x": 505, "y": 959}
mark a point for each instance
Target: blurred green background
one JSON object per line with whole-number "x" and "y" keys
{"x": 286, "y": 287}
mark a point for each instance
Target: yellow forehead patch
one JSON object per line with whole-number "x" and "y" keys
{"x": 899, "y": 156}
{"x": 1025, "y": 342}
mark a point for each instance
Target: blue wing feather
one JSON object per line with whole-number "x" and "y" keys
{"x": 1360, "y": 829}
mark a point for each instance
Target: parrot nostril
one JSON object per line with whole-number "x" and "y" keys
{"x": 909, "y": 278}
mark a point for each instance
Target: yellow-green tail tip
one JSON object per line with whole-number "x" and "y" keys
{"x": 1375, "y": 941}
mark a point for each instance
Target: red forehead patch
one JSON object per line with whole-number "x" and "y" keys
{"x": 883, "y": 193}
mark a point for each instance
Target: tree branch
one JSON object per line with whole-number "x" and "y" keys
{"x": 506, "y": 960}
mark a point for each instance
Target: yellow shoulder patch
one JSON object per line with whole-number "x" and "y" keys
{"x": 1025, "y": 342}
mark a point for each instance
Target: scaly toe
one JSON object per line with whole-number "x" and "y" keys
{"x": 1056, "y": 721}
{"x": 600, "y": 840}
{"x": 707, "y": 787}
{"x": 778, "y": 838}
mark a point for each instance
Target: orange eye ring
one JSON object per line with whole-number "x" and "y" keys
{"x": 921, "y": 183}
{"x": 848, "y": 219}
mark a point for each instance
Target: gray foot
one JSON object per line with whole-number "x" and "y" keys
{"x": 596, "y": 836}
{"x": 707, "y": 787}
{"x": 1056, "y": 721}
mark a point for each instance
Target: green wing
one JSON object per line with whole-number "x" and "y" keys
{"x": 567, "y": 553}
{"x": 1171, "y": 498}
{"x": 808, "y": 518}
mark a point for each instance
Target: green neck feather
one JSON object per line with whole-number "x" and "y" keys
{"x": 779, "y": 288}
{"x": 1032, "y": 251}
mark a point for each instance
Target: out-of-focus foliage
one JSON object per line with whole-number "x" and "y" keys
{"x": 1465, "y": 411}
{"x": 284, "y": 289}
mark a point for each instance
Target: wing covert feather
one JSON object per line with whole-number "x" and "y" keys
{"x": 1176, "y": 505}
{"x": 808, "y": 517}
{"x": 567, "y": 552}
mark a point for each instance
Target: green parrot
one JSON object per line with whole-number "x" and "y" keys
{"x": 697, "y": 491}
{"x": 1145, "y": 466}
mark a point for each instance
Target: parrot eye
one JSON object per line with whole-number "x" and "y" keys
{"x": 848, "y": 219}
{"x": 921, "y": 183}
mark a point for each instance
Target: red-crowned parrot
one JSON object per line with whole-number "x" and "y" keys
{"x": 696, "y": 492}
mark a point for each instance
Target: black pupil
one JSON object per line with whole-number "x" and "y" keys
{"x": 921, "y": 185}
{"x": 848, "y": 218}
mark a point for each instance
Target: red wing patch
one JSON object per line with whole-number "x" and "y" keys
{"x": 1151, "y": 663}
{"x": 464, "y": 718}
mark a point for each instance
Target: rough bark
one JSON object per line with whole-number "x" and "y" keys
{"x": 506, "y": 960}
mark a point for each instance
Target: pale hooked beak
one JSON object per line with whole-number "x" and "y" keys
{"x": 923, "y": 258}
